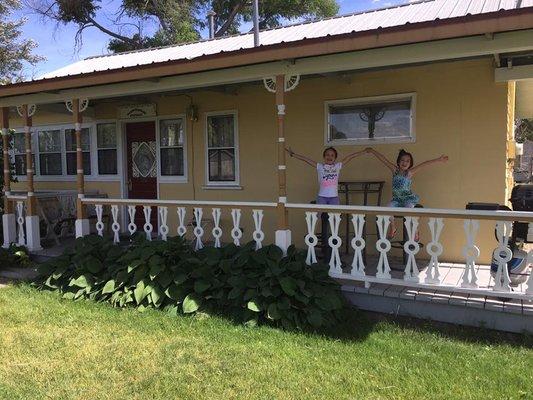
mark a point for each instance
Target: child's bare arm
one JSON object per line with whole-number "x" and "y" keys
{"x": 351, "y": 156}
{"x": 381, "y": 158}
{"x": 418, "y": 167}
{"x": 300, "y": 157}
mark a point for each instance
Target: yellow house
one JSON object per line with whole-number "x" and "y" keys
{"x": 203, "y": 126}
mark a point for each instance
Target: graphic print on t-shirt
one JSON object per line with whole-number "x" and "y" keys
{"x": 328, "y": 179}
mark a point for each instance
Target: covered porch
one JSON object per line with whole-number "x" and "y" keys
{"x": 201, "y": 154}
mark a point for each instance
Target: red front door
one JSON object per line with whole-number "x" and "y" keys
{"x": 142, "y": 167}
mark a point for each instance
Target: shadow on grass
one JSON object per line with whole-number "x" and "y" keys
{"x": 357, "y": 325}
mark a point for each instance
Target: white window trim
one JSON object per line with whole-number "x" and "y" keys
{"x": 176, "y": 178}
{"x": 365, "y": 100}
{"x": 236, "y": 182}
{"x": 94, "y": 177}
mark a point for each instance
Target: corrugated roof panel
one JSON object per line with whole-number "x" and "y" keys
{"x": 421, "y": 11}
{"x": 447, "y": 9}
{"x": 475, "y": 7}
{"x": 460, "y": 9}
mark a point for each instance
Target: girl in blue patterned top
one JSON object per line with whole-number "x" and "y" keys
{"x": 402, "y": 178}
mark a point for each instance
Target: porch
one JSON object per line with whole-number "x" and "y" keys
{"x": 425, "y": 286}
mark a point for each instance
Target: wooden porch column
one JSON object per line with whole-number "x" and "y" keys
{"x": 283, "y": 234}
{"x": 82, "y": 223}
{"x": 8, "y": 218}
{"x": 33, "y": 236}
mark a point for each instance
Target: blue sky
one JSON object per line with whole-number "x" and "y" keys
{"x": 56, "y": 43}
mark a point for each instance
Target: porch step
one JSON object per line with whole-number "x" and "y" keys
{"x": 509, "y": 315}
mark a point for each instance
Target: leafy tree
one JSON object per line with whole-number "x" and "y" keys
{"x": 177, "y": 21}
{"x": 14, "y": 50}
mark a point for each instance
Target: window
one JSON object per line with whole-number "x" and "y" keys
{"x": 377, "y": 119}
{"x": 221, "y": 149}
{"x": 50, "y": 152}
{"x": 171, "y": 140}
{"x": 106, "y": 141}
{"x": 70, "y": 147}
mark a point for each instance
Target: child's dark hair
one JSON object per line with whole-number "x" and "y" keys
{"x": 405, "y": 153}
{"x": 332, "y": 149}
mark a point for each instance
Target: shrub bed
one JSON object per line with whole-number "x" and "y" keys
{"x": 250, "y": 286}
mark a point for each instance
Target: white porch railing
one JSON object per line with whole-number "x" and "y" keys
{"x": 191, "y": 218}
{"x": 18, "y": 225}
{"x": 197, "y": 216}
{"x": 356, "y": 271}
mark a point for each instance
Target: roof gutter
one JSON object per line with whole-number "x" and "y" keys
{"x": 502, "y": 21}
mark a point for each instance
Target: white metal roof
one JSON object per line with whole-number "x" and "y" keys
{"x": 414, "y": 12}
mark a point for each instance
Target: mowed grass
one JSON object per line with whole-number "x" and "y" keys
{"x": 58, "y": 349}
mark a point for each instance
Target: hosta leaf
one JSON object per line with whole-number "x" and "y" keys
{"x": 172, "y": 311}
{"x": 180, "y": 278}
{"x": 59, "y": 271}
{"x": 155, "y": 269}
{"x": 315, "y": 318}
{"x": 134, "y": 264}
{"x": 68, "y": 296}
{"x": 174, "y": 292}
{"x": 234, "y": 293}
{"x": 157, "y": 296}
{"x": 94, "y": 265}
{"x": 140, "y": 274}
{"x": 201, "y": 286}
{"x": 288, "y": 285}
{"x": 272, "y": 312}
{"x": 83, "y": 281}
{"x": 253, "y": 306}
{"x": 138, "y": 292}
{"x": 191, "y": 303}
{"x": 109, "y": 287}
{"x": 164, "y": 278}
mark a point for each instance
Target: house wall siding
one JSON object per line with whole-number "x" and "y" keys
{"x": 460, "y": 112}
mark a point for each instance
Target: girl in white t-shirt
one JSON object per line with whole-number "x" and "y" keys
{"x": 328, "y": 173}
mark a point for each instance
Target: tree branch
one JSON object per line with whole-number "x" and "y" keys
{"x": 110, "y": 33}
{"x": 231, "y": 17}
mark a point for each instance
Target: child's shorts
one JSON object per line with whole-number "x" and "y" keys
{"x": 332, "y": 201}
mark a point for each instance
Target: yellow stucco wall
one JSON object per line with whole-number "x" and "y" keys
{"x": 460, "y": 111}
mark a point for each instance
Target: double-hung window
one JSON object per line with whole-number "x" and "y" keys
{"x": 106, "y": 142}
{"x": 50, "y": 162}
{"x": 71, "y": 148}
{"x": 380, "y": 119}
{"x": 171, "y": 148}
{"x": 222, "y": 149}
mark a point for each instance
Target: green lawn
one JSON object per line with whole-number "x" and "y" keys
{"x": 59, "y": 349}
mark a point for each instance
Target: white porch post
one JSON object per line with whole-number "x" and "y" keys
{"x": 8, "y": 218}
{"x": 283, "y": 233}
{"x": 82, "y": 222}
{"x": 33, "y": 234}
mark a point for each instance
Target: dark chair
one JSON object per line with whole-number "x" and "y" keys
{"x": 399, "y": 244}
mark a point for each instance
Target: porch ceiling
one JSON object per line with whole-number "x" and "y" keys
{"x": 459, "y": 48}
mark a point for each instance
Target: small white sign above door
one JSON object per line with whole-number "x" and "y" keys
{"x": 137, "y": 111}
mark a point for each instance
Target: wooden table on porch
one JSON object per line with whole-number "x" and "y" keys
{"x": 365, "y": 188}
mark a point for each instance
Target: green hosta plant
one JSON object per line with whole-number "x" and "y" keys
{"x": 251, "y": 286}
